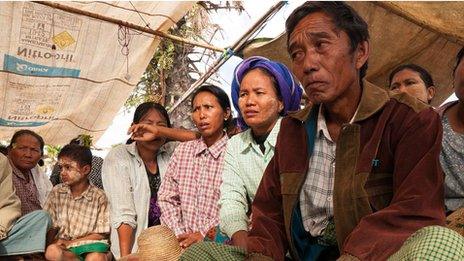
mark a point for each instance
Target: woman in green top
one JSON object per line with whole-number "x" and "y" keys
{"x": 262, "y": 92}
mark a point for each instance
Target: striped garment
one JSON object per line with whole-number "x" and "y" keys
{"x": 80, "y": 216}
{"x": 189, "y": 193}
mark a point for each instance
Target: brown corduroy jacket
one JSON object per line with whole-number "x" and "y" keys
{"x": 376, "y": 206}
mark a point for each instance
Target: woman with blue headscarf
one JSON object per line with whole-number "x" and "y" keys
{"x": 263, "y": 91}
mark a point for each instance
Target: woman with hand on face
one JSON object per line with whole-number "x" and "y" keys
{"x": 132, "y": 174}
{"x": 263, "y": 91}
{"x": 452, "y": 152}
{"x": 189, "y": 193}
{"x": 413, "y": 80}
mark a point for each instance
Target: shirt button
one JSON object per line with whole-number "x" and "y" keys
{"x": 329, "y": 198}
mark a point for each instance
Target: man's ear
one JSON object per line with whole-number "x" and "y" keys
{"x": 362, "y": 54}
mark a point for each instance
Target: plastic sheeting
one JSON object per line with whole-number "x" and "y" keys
{"x": 64, "y": 74}
{"x": 425, "y": 33}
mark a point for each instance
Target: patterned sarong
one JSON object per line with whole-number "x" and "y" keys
{"x": 432, "y": 243}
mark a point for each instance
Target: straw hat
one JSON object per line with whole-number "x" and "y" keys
{"x": 158, "y": 243}
{"x": 455, "y": 221}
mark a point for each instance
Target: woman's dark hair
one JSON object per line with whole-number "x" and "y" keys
{"x": 222, "y": 98}
{"x": 20, "y": 133}
{"x": 80, "y": 154}
{"x": 423, "y": 73}
{"x": 458, "y": 59}
{"x": 343, "y": 16}
{"x": 144, "y": 108}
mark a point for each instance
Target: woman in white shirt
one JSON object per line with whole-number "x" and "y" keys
{"x": 131, "y": 176}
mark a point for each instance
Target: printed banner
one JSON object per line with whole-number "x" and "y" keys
{"x": 64, "y": 74}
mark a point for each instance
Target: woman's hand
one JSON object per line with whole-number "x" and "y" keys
{"x": 143, "y": 132}
{"x": 187, "y": 239}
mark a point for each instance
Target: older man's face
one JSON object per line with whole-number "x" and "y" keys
{"x": 322, "y": 58}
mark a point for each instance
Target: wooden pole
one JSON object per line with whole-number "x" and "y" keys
{"x": 128, "y": 25}
{"x": 218, "y": 63}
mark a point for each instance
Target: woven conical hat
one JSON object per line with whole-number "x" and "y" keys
{"x": 455, "y": 221}
{"x": 158, "y": 243}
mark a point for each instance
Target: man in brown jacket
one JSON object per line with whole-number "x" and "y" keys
{"x": 354, "y": 174}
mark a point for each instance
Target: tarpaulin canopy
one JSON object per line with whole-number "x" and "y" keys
{"x": 425, "y": 33}
{"x": 64, "y": 74}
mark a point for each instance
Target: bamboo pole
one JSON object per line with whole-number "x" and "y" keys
{"x": 236, "y": 46}
{"x": 128, "y": 25}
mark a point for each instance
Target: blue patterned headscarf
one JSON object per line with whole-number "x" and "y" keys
{"x": 289, "y": 88}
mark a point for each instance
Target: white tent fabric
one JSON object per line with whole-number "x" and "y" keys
{"x": 64, "y": 74}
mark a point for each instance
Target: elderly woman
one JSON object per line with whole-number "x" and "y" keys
{"x": 19, "y": 235}
{"x": 263, "y": 91}
{"x": 31, "y": 185}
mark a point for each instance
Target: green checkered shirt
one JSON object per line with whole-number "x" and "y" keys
{"x": 244, "y": 165}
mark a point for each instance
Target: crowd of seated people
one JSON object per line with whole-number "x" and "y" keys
{"x": 360, "y": 172}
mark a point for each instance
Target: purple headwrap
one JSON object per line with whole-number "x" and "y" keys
{"x": 289, "y": 89}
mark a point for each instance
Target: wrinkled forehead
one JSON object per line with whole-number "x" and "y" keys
{"x": 26, "y": 140}
{"x": 314, "y": 23}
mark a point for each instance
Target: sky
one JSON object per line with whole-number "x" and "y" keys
{"x": 233, "y": 25}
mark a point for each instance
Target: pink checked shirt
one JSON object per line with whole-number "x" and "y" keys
{"x": 189, "y": 192}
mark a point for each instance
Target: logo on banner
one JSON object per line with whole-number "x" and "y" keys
{"x": 19, "y": 66}
{"x": 63, "y": 40}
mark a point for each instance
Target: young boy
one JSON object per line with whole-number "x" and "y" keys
{"x": 78, "y": 210}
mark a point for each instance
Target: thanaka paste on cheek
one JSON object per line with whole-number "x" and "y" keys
{"x": 73, "y": 175}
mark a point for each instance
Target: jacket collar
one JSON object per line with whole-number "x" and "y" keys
{"x": 249, "y": 142}
{"x": 373, "y": 99}
{"x": 444, "y": 107}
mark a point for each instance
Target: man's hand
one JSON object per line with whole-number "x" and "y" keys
{"x": 240, "y": 239}
{"x": 187, "y": 239}
{"x": 143, "y": 132}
